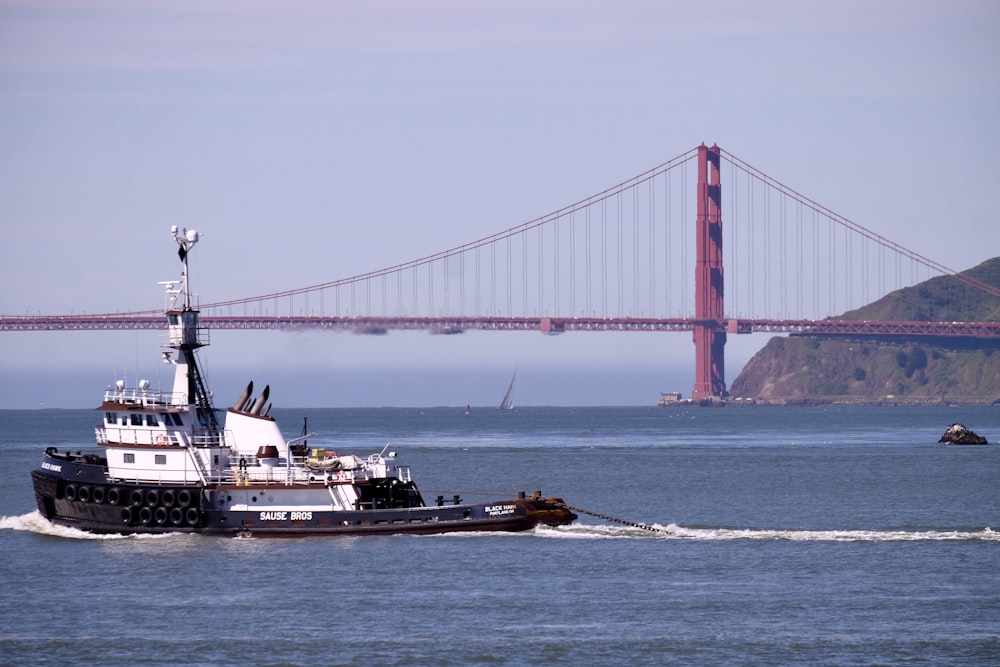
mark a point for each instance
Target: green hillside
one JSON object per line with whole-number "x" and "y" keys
{"x": 941, "y": 299}
{"x": 927, "y": 369}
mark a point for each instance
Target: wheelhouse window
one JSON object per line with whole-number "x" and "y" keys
{"x": 136, "y": 420}
{"x": 110, "y": 417}
{"x": 151, "y": 420}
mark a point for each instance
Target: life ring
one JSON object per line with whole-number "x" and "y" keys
{"x": 167, "y": 498}
{"x": 161, "y": 439}
{"x": 193, "y": 516}
{"x": 98, "y": 495}
{"x": 70, "y": 492}
{"x": 114, "y": 495}
{"x": 152, "y": 497}
{"x": 177, "y": 516}
{"x": 83, "y": 494}
{"x": 341, "y": 476}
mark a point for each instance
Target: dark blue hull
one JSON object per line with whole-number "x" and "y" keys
{"x": 75, "y": 492}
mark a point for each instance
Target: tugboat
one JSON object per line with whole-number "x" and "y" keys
{"x": 167, "y": 465}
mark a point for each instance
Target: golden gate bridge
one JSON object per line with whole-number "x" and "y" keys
{"x": 625, "y": 259}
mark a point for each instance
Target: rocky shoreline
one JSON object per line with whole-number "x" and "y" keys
{"x": 860, "y": 401}
{"x": 846, "y": 401}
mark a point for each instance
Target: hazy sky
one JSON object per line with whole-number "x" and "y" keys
{"x": 311, "y": 141}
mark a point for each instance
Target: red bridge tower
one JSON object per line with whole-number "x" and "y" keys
{"x": 709, "y": 340}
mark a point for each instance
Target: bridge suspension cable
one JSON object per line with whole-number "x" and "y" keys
{"x": 845, "y": 269}
{"x": 622, "y": 254}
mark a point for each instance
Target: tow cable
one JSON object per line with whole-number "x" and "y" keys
{"x": 623, "y": 522}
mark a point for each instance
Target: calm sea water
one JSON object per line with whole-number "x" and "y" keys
{"x": 822, "y": 536}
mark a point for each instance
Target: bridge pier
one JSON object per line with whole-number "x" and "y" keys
{"x": 709, "y": 339}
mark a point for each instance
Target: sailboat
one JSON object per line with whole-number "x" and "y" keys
{"x": 508, "y": 399}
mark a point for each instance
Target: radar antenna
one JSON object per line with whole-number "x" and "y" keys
{"x": 186, "y": 239}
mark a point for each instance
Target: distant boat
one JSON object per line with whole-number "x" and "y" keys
{"x": 508, "y": 399}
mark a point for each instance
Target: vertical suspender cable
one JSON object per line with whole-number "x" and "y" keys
{"x": 684, "y": 249}
{"x": 832, "y": 267}
{"x": 620, "y": 248}
{"x": 666, "y": 242}
{"x": 604, "y": 258}
{"x": 555, "y": 265}
{"x": 541, "y": 272}
{"x": 651, "y": 213}
{"x": 800, "y": 281}
{"x": 446, "y": 268}
{"x": 848, "y": 280}
{"x": 524, "y": 271}
{"x": 783, "y": 278}
{"x": 815, "y": 264}
{"x": 430, "y": 289}
{"x": 587, "y": 272}
{"x": 635, "y": 250}
{"x": 751, "y": 189}
{"x": 735, "y": 241}
{"x": 572, "y": 263}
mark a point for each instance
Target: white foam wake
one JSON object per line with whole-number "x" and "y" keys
{"x": 675, "y": 532}
{"x": 34, "y": 522}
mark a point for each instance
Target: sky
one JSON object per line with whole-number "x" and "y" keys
{"x": 311, "y": 141}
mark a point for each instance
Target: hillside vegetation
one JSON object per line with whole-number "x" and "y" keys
{"x": 870, "y": 370}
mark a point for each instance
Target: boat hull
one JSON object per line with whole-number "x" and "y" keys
{"x": 79, "y": 495}
{"x": 122, "y": 508}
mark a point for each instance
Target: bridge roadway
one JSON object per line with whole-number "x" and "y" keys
{"x": 455, "y": 325}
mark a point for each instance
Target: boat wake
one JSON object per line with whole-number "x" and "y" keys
{"x": 34, "y": 522}
{"x": 675, "y": 532}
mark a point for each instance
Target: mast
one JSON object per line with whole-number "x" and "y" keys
{"x": 186, "y": 336}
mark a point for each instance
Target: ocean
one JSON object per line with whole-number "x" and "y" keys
{"x": 742, "y": 536}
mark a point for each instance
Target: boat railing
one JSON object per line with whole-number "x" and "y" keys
{"x": 144, "y": 397}
{"x": 141, "y": 436}
{"x": 245, "y": 469}
{"x": 181, "y": 336}
{"x": 267, "y": 475}
{"x": 207, "y": 438}
{"x": 153, "y": 476}
{"x": 137, "y": 477}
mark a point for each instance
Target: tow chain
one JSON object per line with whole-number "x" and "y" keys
{"x": 623, "y": 522}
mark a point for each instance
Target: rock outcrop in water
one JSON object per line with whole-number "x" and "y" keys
{"x": 957, "y": 434}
